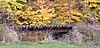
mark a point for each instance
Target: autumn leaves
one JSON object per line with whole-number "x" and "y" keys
{"x": 39, "y": 13}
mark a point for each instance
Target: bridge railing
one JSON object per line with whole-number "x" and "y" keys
{"x": 48, "y": 28}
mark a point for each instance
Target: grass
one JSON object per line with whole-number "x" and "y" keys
{"x": 43, "y": 45}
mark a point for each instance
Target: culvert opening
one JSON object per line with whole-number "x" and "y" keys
{"x": 58, "y": 35}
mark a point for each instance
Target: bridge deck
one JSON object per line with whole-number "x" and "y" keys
{"x": 47, "y": 28}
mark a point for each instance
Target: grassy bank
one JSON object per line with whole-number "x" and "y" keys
{"x": 43, "y": 45}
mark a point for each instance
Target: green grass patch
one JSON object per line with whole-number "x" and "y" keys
{"x": 43, "y": 45}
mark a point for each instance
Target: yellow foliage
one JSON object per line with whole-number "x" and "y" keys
{"x": 94, "y": 7}
{"x": 76, "y": 18}
{"x": 56, "y": 14}
{"x": 41, "y": 16}
{"x": 25, "y": 23}
{"x": 18, "y": 22}
{"x": 92, "y": 1}
{"x": 74, "y": 12}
